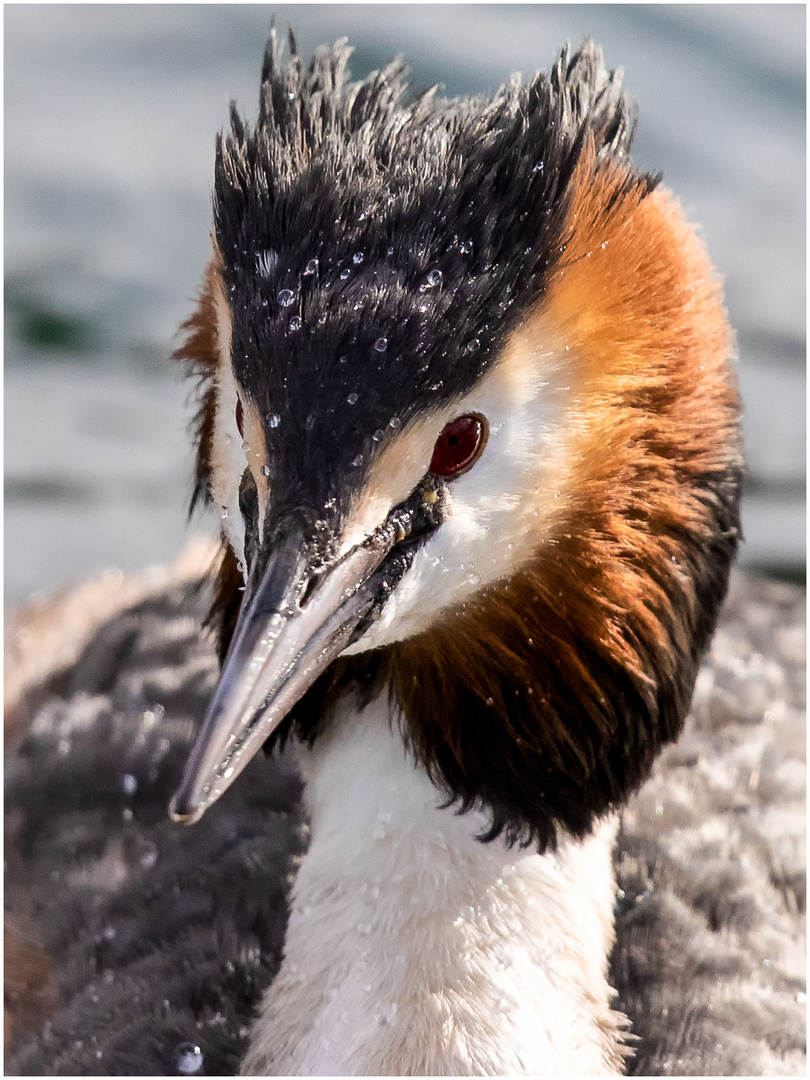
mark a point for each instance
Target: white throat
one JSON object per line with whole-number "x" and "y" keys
{"x": 413, "y": 948}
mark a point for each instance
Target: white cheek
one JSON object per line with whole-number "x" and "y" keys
{"x": 229, "y": 462}
{"x": 499, "y": 512}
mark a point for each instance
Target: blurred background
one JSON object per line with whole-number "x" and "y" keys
{"x": 110, "y": 118}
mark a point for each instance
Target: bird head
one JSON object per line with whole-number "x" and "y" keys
{"x": 467, "y": 416}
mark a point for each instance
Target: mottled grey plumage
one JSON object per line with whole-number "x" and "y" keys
{"x": 162, "y": 936}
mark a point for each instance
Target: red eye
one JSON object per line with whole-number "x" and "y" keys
{"x": 240, "y": 418}
{"x": 458, "y": 446}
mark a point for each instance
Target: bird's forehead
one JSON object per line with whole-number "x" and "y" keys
{"x": 341, "y": 343}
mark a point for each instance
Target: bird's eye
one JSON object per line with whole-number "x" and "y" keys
{"x": 240, "y": 418}
{"x": 459, "y": 446}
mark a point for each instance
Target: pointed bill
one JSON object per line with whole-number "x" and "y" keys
{"x": 278, "y": 650}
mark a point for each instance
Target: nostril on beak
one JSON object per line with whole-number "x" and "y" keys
{"x": 308, "y": 590}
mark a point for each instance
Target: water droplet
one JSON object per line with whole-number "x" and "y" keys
{"x": 466, "y": 247}
{"x": 273, "y": 419}
{"x": 245, "y": 445}
{"x": 129, "y": 785}
{"x": 265, "y": 470}
{"x": 539, "y": 167}
{"x": 434, "y": 278}
{"x": 474, "y": 579}
{"x": 108, "y": 933}
{"x": 188, "y": 1059}
{"x": 362, "y": 215}
{"x": 127, "y": 814}
{"x": 381, "y": 344}
{"x": 285, "y": 297}
{"x": 489, "y": 702}
{"x": 357, "y": 258}
{"x": 295, "y": 323}
{"x": 147, "y": 854}
{"x": 378, "y": 434}
{"x": 311, "y": 267}
{"x": 290, "y": 96}
{"x": 344, "y": 274}
{"x": 394, "y": 422}
{"x": 390, "y": 251}
{"x": 474, "y": 345}
{"x": 386, "y": 1014}
{"x": 358, "y": 461}
{"x": 352, "y": 399}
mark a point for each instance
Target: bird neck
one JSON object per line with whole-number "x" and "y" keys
{"x": 413, "y": 948}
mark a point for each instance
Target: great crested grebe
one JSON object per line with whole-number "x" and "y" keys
{"x": 468, "y": 416}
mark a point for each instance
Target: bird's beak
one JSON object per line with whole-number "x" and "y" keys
{"x": 284, "y": 639}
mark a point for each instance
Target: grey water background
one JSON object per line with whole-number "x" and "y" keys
{"x": 110, "y": 117}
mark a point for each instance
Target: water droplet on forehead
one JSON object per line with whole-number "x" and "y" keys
{"x": 295, "y": 323}
{"x": 381, "y": 344}
{"x": 352, "y": 399}
{"x": 188, "y": 1059}
{"x": 311, "y": 267}
{"x": 358, "y": 257}
{"x": 285, "y": 297}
